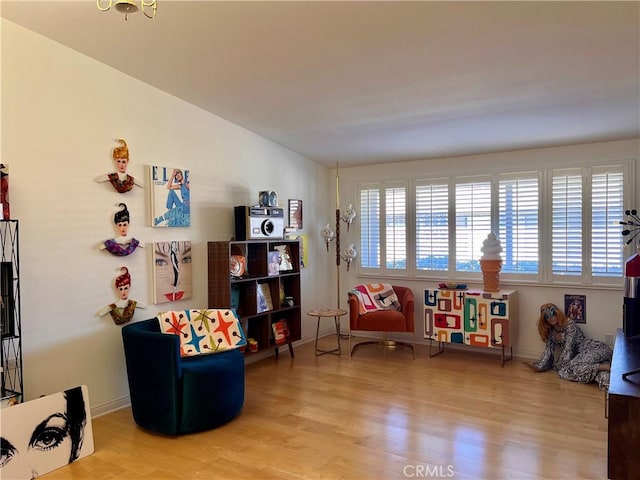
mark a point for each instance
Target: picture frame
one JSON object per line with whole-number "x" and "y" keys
{"x": 575, "y": 308}
{"x": 295, "y": 214}
{"x": 171, "y": 271}
{"x": 170, "y": 197}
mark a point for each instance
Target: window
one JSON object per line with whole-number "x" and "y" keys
{"x": 574, "y": 236}
{"x": 370, "y": 227}
{"x": 432, "y": 226}
{"x": 518, "y": 223}
{"x": 396, "y": 227}
{"x": 607, "y": 207}
{"x": 473, "y": 223}
{"x": 566, "y": 226}
{"x": 389, "y": 216}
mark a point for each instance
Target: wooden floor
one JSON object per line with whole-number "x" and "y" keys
{"x": 377, "y": 415}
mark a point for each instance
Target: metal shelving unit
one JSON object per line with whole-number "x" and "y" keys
{"x": 10, "y": 327}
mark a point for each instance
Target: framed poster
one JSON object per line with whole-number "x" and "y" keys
{"x": 170, "y": 197}
{"x": 295, "y": 214}
{"x": 172, "y": 276}
{"x": 575, "y": 308}
{"x": 46, "y": 433}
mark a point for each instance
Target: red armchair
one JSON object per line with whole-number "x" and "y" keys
{"x": 384, "y": 321}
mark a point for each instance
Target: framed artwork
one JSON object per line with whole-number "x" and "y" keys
{"x": 172, "y": 275}
{"x": 295, "y": 214}
{"x": 46, "y": 433}
{"x": 575, "y": 308}
{"x": 170, "y": 197}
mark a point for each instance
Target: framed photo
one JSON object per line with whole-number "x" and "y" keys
{"x": 575, "y": 308}
{"x": 295, "y": 214}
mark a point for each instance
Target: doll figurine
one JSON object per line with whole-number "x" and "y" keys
{"x": 123, "y": 244}
{"x": 120, "y": 179}
{"x": 121, "y": 310}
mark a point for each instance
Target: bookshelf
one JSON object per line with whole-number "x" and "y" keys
{"x": 245, "y": 291}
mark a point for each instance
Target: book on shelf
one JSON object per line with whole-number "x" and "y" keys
{"x": 263, "y": 298}
{"x": 281, "y": 332}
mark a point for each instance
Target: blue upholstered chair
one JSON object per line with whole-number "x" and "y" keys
{"x": 174, "y": 395}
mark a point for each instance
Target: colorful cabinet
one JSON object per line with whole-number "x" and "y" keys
{"x": 471, "y": 317}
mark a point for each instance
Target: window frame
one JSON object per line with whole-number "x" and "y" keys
{"x": 544, "y": 175}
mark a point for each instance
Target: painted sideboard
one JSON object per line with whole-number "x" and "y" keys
{"x": 471, "y": 317}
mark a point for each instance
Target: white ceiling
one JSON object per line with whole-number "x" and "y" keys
{"x": 369, "y": 82}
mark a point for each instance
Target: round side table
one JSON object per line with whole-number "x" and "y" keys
{"x": 328, "y": 313}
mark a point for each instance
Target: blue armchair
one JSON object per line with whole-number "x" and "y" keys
{"x": 174, "y": 395}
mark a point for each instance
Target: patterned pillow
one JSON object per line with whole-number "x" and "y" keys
{"x": 203, "y": 331}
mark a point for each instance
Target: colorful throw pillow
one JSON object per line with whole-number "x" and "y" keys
{"x": 376, "y": 296}
{"x": 203, "y": 331}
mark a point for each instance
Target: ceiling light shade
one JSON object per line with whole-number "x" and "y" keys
{"x": 129, "y": 6}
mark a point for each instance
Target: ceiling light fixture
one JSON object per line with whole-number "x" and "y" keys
{"x": 129, "y": 6}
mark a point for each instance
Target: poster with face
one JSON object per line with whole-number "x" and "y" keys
{"x": 44, "y": 434}
{"x": 172, "y": 276}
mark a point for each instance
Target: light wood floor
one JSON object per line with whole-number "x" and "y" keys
{"x": 378, "y": 415}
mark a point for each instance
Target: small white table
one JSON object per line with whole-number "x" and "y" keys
{"x": 328, "y": 313}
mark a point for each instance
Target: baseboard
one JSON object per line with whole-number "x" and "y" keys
{"x": 108, "y": 407}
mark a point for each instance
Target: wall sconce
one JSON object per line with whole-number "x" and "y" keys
{"x": 128, "y": 6}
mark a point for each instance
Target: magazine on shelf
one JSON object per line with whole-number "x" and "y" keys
{"x": 281, "y": 333}
{"x": 263, "y": 298}
{"x": 274, "y": 263}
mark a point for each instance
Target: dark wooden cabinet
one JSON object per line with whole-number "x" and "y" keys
{"x": 624, "y": 411}
{"x": 242, "y": 292}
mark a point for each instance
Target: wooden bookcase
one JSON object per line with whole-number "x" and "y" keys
{"x": 241, "y": 293}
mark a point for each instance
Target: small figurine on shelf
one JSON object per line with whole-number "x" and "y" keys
{"x": 285, "y": 258}
{"x": 120, "y": 180}
{"x": 121, "y": 310}
{"x": 123, "y": 244}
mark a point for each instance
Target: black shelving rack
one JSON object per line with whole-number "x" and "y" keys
{"x": 10, "y": 315}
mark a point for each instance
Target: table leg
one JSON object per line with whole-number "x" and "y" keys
{"x": 337, "y": 319}
{"x": 335, "y": 351}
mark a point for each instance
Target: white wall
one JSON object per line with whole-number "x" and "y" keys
{"x": 61, "y": 114}
{"x": 603, "y": 306}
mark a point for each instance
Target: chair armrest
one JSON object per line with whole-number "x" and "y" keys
{"x": 153, "y": 372}
{"x": 407, "y": 305}
{"x": 354, "y": 312}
